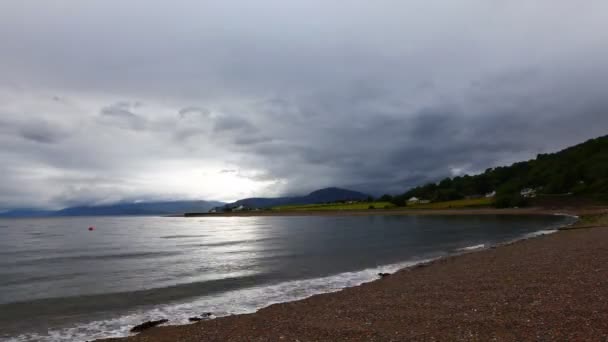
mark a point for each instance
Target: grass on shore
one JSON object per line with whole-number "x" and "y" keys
{"x": 335, "y": 206}
{"x": 457, "y": 204}
{"x": 598, "y": 220}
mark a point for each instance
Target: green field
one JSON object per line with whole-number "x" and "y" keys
{"x": 335, "y": 206}
{"x": 464, "y": 203}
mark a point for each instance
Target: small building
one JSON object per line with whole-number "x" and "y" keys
{"x": 528, "y": 193}
{"x": 416, "y": 200}
{"x": 491, "y": 194}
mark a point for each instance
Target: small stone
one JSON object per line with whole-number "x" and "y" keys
{"x": 148, "y": 325}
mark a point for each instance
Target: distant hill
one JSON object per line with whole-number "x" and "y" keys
{"x": 580, "y": 170}
{"x": 121, "y": 209}
{"x": 319, "y": 196}
{"x": 27, "y": 213}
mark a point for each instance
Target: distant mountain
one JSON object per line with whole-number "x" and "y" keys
{"x": 121, "y": 209}
{"x": 319, "y": 196}
{"x": 27, "y": 213}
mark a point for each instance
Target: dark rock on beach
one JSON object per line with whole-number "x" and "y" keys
{"x": 382, "y": 275}
{"x": 204, "y": 316}
{"x": 148, "y": 325}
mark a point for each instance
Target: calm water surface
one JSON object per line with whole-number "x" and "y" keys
{"x": 59, "y": 281}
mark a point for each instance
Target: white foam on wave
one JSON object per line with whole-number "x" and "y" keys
{"x": 540, "y": 233}
{"x": 567, "y": 215}
{"x": 472, "y": 248}
{"x": 234, "y": 302}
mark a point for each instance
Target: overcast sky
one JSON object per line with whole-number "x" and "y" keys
{"x": 105, "y": 100}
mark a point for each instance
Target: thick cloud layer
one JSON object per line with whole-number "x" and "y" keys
{"x": 103, "y": 101}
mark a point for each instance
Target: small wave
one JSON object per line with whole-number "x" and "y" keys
{"x": 567, "y": 215}
{"x": 182, "y": 236}
{"x": 95, "y": 257}
{"x": 44, "y": 235}
{"x": 241, "y": 301}
{"x": 226, "y": 243}
{"x": 472, "y": 248}
{"x": 34, "y": 279}
{"x": 539, "y": 233}
{"x": 45, "y": 251}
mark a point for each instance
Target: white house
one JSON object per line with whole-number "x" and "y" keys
{"x": 416, "y": 200}
{"x": 528, "y": 193}
{"x": 491, "y": 194}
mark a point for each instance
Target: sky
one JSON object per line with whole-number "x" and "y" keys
{"x": 140, "y": 100}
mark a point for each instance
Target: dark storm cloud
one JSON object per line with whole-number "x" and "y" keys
{"x": 41, "y": 132}
{"x": 121, "y": 114}
{"x": 233, "y": 123}
{"x": 251, "y": 140}
{"x": 391, "y": 151}
{"x": 194, "y": 111}
{"x": 378, "y": 96}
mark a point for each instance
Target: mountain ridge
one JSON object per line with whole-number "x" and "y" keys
{"x": 119, "y": 209}
{"x": 330, "y": 194}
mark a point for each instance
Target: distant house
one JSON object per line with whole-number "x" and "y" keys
{"x": 528, "y": 193}
{"x": 239, "y": 208}
{"x": 491, "y": 194}
{"x": 217, "y": 210}
{"x": 416, "y": 200}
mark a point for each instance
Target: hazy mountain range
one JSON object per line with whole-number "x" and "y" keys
{"x": 180, "y": 207}
{"x": 118, "y": 209}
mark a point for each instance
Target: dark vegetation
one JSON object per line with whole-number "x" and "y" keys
{"x": 580, "y": 171}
